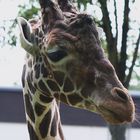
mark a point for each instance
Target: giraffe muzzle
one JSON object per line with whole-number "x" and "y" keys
{"x": 119, "y": 108}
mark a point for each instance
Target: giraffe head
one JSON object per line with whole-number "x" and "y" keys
{"x": 72, "y": 65}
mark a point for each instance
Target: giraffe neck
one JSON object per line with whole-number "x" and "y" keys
{"x": 43, "y": 118}
{"x": 42, "y": 112}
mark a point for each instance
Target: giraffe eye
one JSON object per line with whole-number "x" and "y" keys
{"x": 57, "y": 55}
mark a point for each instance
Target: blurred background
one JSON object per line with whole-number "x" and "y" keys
{"x": 120, "y": 20}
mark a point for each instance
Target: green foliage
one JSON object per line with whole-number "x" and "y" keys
{"x": 8, "y": 36}
{"x": 28, "y": 12}
{"x": 12, "y": 37}
{"x": 84, "y": 3}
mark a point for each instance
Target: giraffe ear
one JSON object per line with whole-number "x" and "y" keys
{"x": 27, "y": 38}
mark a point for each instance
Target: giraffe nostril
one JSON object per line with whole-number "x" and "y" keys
{"x": 120, "y": 94}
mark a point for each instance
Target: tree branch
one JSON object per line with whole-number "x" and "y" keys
{"x": 133, "y": 61}
{"x": 106, "y": 20}
{"x": 116, "y": 21}
{"x": 123, "y": 53}
{"x": 111, "y": 42}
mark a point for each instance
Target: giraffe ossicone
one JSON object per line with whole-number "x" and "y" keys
{"x": 65, "y": 63}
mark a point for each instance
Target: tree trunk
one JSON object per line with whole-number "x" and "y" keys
{"x": 119, "y": 62}
{"x": 118, "y": 132}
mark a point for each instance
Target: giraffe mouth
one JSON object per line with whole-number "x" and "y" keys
{"x": 114, "y": 117}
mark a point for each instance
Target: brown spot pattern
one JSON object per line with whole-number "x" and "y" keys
{"x": 45, "y": 99}
{"x": 68, "y": 85}
{"x": 43, "y": 88}
{"x": 59, "y": 77}
{"x": 33, "y": 135}
{"x": 29, "y": 108}
{"x": 74, "y": 98}
{"x": 23, "y": 76}
{"x": 39, "y": 109}
{"x": 53, "y": 85}
{"x": 44, "y": 71}
{"x": 37, "y": 70}
{"x": 29, "y": 81}
{"x": 63, "y": 98}
{"x": 44, "y": 125}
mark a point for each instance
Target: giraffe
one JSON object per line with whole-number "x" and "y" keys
{"x": 65, "y": 63}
